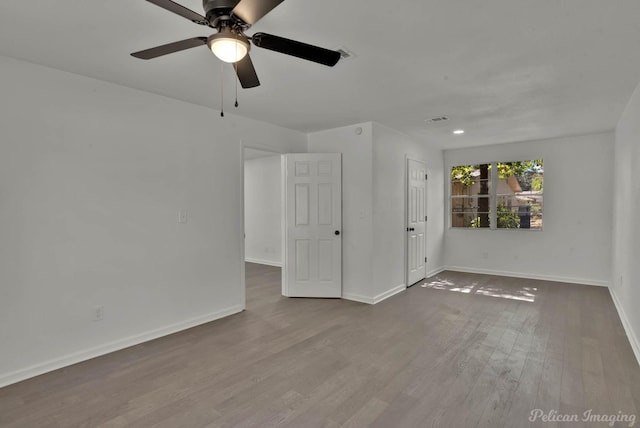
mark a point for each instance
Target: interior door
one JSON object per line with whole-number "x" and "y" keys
{"x": 416, "y": 221}
{"x": 312, "y": 225}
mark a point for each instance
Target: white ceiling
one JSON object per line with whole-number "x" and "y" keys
{"x": 504, "y": 70}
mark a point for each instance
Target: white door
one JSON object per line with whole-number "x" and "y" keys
{"x": 312, "y": 225}
{"x": 416, "y": 221}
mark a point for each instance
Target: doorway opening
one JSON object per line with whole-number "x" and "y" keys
{"x": 262, "y": 184}
{"x": 292, "y": 205}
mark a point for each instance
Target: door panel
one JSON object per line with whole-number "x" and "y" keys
{"x": 325, "y": 260}
{"x": 325, "y": 204}
{"x": 416, "y": 220}
{"x": 303, "y": 254}
{"x": 313, "y": 215}
{"x": 302, "y": 204}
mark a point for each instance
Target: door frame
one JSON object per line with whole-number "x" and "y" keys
{"x": 408, "y": 158}
{"x": 243, "y": 282}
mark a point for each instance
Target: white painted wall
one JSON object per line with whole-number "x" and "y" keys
{"x": 373, "y": 207}
{"x": 625, "y": 280}
{"x": 575, "y": 245}
{"x": 262, "y": 210}
{"x": 92, "y": 176}
{"x": 390, "y": 150}
{"x": 357, "y": 197}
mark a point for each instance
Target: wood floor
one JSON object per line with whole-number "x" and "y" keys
{"x": 460, "y": 351}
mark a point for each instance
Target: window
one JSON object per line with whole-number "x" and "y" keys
{"x": 498, "y": 195}
{"x": 470, "y": 195}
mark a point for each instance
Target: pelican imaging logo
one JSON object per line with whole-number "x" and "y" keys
{"x": 554, "y": 416}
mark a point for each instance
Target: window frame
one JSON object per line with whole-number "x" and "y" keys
{"x": 493, "y": 199}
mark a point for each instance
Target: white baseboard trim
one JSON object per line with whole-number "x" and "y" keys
{"x": 358, "y": 298}
{"x": 436, "y": 271}
{"x": 569, "y": 280}
{"x": 263, "y": 262}
{"x": 395, "y": 290}
{"x": 107, "y": 348}
{"x": 633, "y": 338}
{"x": 376, "y": 299}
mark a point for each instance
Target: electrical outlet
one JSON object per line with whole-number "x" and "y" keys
{"x": 98, "y": 313}
{"x": 485, "y": 254}
{"x": 183, "y": 216}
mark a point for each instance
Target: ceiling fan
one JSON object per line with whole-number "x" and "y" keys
{"x": 231, "y": 18}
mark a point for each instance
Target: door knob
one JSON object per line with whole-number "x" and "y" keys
{"x": 337, "y": 232}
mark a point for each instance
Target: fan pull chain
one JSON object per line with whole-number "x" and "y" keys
{"x": 221, "y": 89}
{"x": 235, "y": 67}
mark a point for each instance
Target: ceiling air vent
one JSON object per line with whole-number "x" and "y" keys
{"x": 438, "y": 119}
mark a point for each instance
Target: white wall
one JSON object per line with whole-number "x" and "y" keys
{"x": 92, "y": 176}
{"x": 390, "y": 150}
{"x": 357, "y": 193}
{"x": 262, "y": 210}
{"x": 625, "y": 280}
{"x": 575, "y": 243}
{"x": 373, "y": 210}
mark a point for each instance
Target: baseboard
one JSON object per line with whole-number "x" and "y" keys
{"x": 395, "y": 290}
{"x": 358, "y": 298}
{"x": 87, "y": 354}
{"x": 376, "y": 299}
{"x": 263, "y": 262}
{"x": 633, "y": 338}
{"x": 570, "y": 280}
{"x": 436, "y": 271}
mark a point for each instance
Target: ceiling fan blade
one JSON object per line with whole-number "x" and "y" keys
{"x": 170, "y": 48}
{"x": 251, "y": 11}
{"x": 246, "y": 73}
{"x": 181, "y": 10}
{"x": 297, "y": 49}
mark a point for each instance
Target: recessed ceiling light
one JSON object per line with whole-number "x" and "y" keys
{"x": 459, "y": 131}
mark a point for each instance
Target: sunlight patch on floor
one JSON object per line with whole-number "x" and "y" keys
{"x": 523, "y": 294}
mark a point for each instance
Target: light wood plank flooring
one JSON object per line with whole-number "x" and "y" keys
{"x": 462, "y": 351}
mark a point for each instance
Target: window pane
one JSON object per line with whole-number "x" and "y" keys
{"x": 470, "y": 196}
{"x": 471, "y": 180}
{"x": 519, "y": 191}
{"x": 468, "y": 220}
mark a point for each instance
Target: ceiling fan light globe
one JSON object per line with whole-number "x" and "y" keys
{"x": 228, "y": 47}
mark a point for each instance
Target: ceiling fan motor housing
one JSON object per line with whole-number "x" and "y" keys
{"x": 215, "y": 8}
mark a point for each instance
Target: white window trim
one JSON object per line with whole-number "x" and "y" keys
{"x": 493, "y": 203}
